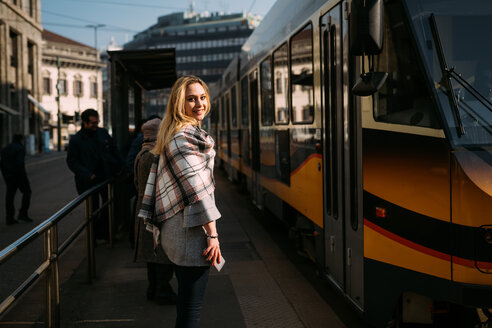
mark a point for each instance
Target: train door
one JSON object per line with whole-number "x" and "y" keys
{"x": 255, "y": 137}
{"x": 333, "y": 147}
{"x": 343, "y": 234}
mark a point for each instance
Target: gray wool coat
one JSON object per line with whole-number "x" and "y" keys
{"x": 182, "y": 236}
{"x": 144, "y": 244}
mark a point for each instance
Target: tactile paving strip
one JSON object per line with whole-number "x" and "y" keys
{"x": 262, "y": 302}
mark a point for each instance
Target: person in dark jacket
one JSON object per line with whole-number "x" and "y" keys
{"x": 159, "y": 268}
{"x": 135, "y": 148}
{"x": 15, "y": 176}
{"x": 93, "y": 157}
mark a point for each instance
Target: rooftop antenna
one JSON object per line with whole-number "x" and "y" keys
{"x": 224, "y": 5}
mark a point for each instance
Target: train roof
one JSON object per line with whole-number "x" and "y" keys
{"x": 283, "y": 19}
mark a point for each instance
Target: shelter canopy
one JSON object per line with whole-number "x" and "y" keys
{"x": 151, "y": 69}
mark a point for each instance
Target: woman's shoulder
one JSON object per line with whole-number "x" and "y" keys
{"x": 187, "y": 133}
{"x": 192, "y": 136}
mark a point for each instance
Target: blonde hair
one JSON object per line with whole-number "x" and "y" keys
{"x": 175, "y": 117}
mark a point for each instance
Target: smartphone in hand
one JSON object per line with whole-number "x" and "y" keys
{"x": 218, "y": 265}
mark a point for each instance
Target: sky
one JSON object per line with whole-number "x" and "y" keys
{"x": 125, "y": 18}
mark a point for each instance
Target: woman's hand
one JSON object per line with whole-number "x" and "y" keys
{"x": 213, "y": 250}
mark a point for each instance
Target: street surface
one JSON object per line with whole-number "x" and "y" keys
{"x": 52, "y": 187}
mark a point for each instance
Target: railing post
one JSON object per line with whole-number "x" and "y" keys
{"x": 47, "y": 254}
{"x": 110, "y": 214}
{"x": 91, "y": 267}
{"x": 55, "y": 276}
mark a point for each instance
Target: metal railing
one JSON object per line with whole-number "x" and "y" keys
{"x": 53, "y": 251}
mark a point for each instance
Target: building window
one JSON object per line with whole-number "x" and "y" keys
{"x": 62, "y": 85}
{"x": 93, "y": 89}
{"x": 30, "y": 65}
{"x": 14, "y": 52}
{"x": 30, "y": 57}
{"x": 301, "y": 76}
{"x": 78, "y": 88}
{"x": 28, "y": 7}
{"x": 46, "y": 86}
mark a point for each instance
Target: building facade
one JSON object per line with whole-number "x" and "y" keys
{"x": 71, "y": 76}
{"x": 20, "y": 62}
{"x": 205, "y": 43}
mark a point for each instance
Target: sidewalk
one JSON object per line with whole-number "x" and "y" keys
{"x": 258, "y": 286}
{"x": 41, "y": 158}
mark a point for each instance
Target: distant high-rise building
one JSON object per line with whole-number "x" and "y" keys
{"x": 205, "y": 43}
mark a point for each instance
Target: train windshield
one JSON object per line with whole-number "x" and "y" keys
{"x": 454, "y": 37}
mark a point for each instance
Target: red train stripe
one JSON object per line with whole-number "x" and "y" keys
{"x": 426, "y": 250}
{"x": 406, "y": 242}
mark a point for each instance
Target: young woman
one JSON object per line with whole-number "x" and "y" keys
{"x": 179, "y": 198}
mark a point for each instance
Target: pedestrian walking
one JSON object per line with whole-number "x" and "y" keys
{"x": 179, "y": 203}
{"x": 14, "y": 173}
{"x": 93, "y": 157}
{"x": 159, "y": 268}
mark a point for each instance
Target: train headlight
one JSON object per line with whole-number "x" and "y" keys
{"x": 488, "y": 236}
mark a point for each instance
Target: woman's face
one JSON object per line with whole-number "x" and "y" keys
{"x": 195, "y": 101}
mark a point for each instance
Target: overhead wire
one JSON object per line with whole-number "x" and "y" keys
{"x": 86, "y": 21}
{"x": 252, "y": 5}
{"x": 128, "y": 4}
{"x": 85, "y": 27}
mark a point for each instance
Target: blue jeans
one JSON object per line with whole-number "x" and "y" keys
{"x": 192, "y": 282}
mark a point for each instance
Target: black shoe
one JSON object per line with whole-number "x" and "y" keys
{"x": 24, "y": 218}
{"x": 12, "y": 221}
{"x": 150, "y": 294}
{"x": 166, "y": 299}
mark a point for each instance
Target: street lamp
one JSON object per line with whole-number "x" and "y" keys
{"x": 95, "y": 27}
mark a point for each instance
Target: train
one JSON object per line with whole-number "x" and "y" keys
{"x": 366, "y": 127}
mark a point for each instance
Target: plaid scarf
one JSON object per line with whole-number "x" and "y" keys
{"x": 181, "y": 176}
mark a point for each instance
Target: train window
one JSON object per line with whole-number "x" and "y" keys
{"x": 244, "y": 102}
{"x": 266, "y": 92}
{"x": 227, "y": 110}
{"x": 233, "y": 107}
{"x": 404, "y": 98}
{"x": 219, "y": 116}
{"x": 224, "y": 115}
{"x": 301, "y": 76}
{"x": 280, "y": 74}
{"x": 214, "y": 113}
